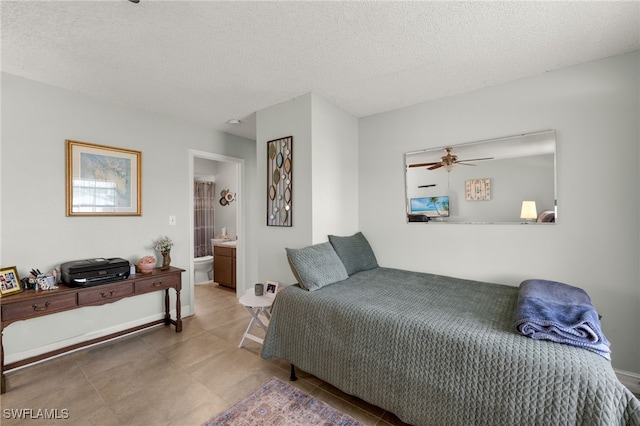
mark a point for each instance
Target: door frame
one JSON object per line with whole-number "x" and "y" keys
{"x": 240, "y": 218}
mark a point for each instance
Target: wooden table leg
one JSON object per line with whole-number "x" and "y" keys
{"x": 3, "y": 380}
{"x": 178, "y": 314}
{"x": 167, "y": 314}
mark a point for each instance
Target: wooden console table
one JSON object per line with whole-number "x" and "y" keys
{"x": 32, "y": 304}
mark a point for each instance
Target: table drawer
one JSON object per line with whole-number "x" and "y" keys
{"x": 38, "y": 306}
{"x": 146, "y": 285}
{"x": 105, "y": 293}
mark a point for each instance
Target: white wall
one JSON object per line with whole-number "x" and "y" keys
{"x": 226, "y": 178}
{"x": 36, "y": 121}
{"x": 291, "y": 118}
{"x": 594, "y": 108}
{"x": 324, "y": 178}
{"x": 334, "y": 171}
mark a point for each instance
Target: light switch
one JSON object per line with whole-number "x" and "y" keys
{"x": 172, "y": 220}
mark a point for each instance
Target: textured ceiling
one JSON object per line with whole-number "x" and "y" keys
{"x": 209, "y": 61}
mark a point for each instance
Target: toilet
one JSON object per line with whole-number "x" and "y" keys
{"x": 203, "y": 270}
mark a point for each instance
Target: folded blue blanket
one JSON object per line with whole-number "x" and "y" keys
{"x": 561, "y": 313}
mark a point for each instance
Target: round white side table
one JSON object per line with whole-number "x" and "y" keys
{"x": 256, "y": 305}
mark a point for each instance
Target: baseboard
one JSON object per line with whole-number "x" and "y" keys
{"x": 630, "y": 380}
{"x": 19, "y": 356}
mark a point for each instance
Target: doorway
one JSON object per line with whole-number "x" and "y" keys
{"x": 238, "y": 226}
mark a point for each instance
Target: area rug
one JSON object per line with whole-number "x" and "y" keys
{"x": 278, "y": 403}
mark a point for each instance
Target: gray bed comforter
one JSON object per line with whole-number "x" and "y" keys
{"x": 437, "y": 350}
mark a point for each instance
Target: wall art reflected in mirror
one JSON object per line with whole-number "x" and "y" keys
{"x": 505, "y": 180}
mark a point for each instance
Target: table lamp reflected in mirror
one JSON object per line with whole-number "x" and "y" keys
{"x": 529, "y": 213}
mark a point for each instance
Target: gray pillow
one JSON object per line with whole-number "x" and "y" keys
{"x": 316, "y": 266}
{"x": 355, "y": 252}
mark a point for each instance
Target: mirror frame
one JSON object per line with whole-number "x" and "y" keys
{"x": 527, "y": 153}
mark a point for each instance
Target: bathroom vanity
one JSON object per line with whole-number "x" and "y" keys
{"x": 224, "y": 264}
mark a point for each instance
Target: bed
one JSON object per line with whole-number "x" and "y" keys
{"x": 432, "y": 349}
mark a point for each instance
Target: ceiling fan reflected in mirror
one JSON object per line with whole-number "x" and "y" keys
{"x": 447, "y": 161}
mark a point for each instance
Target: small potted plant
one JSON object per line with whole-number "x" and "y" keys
{"x": 163, "y": 245}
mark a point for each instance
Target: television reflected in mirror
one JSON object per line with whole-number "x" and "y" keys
{"x": 430, "y": 206}
{"x": 484, "y": 181}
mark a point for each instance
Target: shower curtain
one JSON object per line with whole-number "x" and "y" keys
{"x": 203, "y": 205}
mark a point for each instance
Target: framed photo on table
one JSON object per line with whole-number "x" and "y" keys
{"x": 103, "y": 180}
{"x": 271, "y": 288}
{"x": 9, "y": 281}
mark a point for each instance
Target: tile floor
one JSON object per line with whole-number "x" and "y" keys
{"x": 159, "y": 377}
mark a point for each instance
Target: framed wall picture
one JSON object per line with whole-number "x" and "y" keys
{"x": 271, "y": 288}
{"x": 103, "y": 181}
{"x": 9, "y": 281}
{"x": 478, "y": 189}
{"x": 280, "y": 182}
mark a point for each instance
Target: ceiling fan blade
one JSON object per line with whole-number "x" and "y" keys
{"x": 476, "y": 159}
{"x": 465, "y": 164}
{"x": 436, "y": 166}
{"x": 422, "y": 164}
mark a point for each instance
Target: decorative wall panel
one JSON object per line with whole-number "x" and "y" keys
{"x": 279, "y": 182}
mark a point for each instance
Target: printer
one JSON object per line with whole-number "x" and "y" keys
{"x": 88, "y": 272}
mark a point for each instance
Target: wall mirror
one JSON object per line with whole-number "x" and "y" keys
{"x": 506, "y": 180}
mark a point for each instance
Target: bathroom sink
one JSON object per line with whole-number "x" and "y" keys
{"x": 229, "y": 243}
